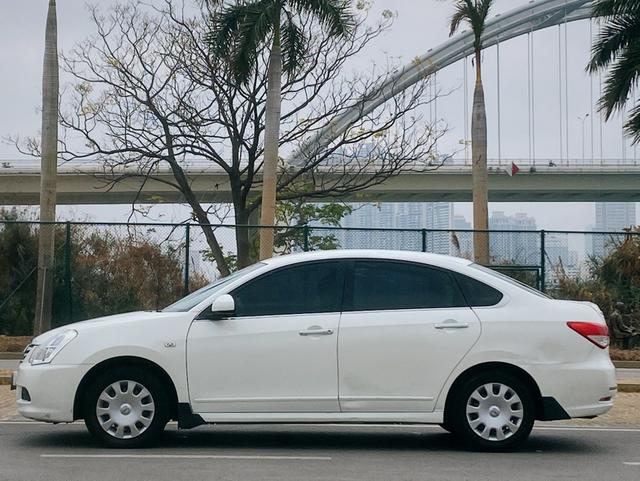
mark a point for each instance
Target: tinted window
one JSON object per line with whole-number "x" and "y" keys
{"x": 477, "y": 293}
{"x": 195, "y": 298}
{"x": 309, "y": 288}
{"x": 384, "y": 285}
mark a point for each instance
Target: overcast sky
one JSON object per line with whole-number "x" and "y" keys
{"x": 420, "y": 25}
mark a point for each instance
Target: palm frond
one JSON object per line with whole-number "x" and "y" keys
{"x": 475, "y": 14}
{"x": 608, "y": 8}
{"x": 632, "y": 127}
{"x": 237, "y": 33}
{"x": 614, "y": 37}
{"x": 334, "y": 15}
{"x": 294, "y": 47}
{"x": 623, "y": 75}
{"x": 223, "y": 27}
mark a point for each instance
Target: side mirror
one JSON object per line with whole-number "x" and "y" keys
{"x": 222, "y": 307}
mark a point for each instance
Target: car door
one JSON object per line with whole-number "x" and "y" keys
{"x": 278, "y": 353}
{"x": 404, "y": 328}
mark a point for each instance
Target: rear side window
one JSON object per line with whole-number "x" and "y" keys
{"x": 477, "y": 293}
{"x": 307, "y": 288}
{"x": 389, "y": 285}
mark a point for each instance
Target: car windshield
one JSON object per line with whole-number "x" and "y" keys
{"x": 510, "y": 280}
{"x": 195, "y": 298}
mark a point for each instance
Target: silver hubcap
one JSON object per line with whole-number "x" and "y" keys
{"x": 125, "y": 409}
{"x": 494, "y": 412}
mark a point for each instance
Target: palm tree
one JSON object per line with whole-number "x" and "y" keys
{"x": 475, "y": 13}
{"x": 617, "y": 50}
{"x": 49, "y": 164}
{"x": 238, "y": 34}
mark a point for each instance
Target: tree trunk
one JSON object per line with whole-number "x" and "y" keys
{"x": 479, "y": 171}
{"x": 271, "y": 141}
{"x": 201, "y": 216}
{"x": 49, "y": 164}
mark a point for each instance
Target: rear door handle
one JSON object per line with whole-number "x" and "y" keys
{"x": 451, "y": 324}
{"x": 316, "y": 332}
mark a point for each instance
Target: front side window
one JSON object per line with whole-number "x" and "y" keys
{"x": 389, "y": 285}
{"x": 307, "y": 288}
{"x": 195, "y": 298}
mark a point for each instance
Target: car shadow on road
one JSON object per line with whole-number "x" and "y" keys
{"x": 304, "y": 438}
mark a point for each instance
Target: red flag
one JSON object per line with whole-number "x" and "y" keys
{"x": 513, "y": 170}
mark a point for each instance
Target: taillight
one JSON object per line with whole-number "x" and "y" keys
{"x": 596, "y": 333}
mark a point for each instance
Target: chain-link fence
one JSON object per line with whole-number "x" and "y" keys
{"x": 108, "y": 268}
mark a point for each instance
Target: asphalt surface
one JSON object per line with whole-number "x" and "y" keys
{"x": 10, "y": 364}
{"x": 34, "y": 452}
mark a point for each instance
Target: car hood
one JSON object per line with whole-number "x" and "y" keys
{"x": 115, "y": 320}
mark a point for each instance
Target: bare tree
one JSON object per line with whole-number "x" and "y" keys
{"x": 147, "y": 93}
{"x": 49, "y": 164}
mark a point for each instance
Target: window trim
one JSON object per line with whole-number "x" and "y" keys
{"x": 343, "y": 270}
{"x": 347, "y": 304}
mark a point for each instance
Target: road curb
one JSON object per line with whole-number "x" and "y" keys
{"x": 627, "y": 364}
{"x": 629, "y": 387}
{"x": 6, "y": 356}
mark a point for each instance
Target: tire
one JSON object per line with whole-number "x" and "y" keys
{"x": 493, "y": 411}
{"x": 126, "y": 408}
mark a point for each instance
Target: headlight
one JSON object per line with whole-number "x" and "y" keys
{"x": 45, "y": 352}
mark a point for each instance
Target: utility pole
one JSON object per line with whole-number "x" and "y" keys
{"x": 48, "y": 174}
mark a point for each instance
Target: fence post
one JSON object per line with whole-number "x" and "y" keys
{"x": 543, "y": 262}
{"x": 67, "y": 272}
{"x": 424, "y": 240}
{"x": 305, "y": 233}
{"x": 187, "y": 239}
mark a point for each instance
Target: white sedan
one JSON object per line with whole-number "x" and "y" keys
{"x": 331, "y": 337}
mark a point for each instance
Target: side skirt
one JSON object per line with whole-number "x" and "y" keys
{"x": 348, "y": 417}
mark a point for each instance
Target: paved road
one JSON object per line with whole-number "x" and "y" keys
{"x": 8, "y": 364}
{"x": 294, "y": 453}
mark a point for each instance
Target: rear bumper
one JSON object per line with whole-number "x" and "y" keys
{"x": 47, "y": 392}
{"x": 583, "y": 389}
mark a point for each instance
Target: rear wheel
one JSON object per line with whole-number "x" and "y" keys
{"x": 493, "y": 411}
{"x": 126, "y": 408}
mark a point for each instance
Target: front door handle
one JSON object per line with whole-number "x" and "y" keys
{"x": 452, "y": 324}
{"x": 316, "y": 331}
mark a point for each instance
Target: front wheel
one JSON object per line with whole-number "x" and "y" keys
{"x": 493, "y": 411}
{"x": 126, "y": 408}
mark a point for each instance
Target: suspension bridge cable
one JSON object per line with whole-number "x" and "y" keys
{"x": 466, "y": 111}
{"x": 499, "y": 103}
{"x": 529, "y": 89}
{"x": 533, "y": 98}
{"x": 560, "y": 92}
{"x": 591, "y": 89}
{"x": 566, "y": 79}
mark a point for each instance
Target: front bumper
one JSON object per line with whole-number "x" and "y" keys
{"x": 47, "y": 392}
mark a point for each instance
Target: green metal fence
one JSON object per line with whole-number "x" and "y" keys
{"x": 107, "y": 268}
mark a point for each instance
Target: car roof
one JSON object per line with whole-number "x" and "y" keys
{"x": 422, "y": 257}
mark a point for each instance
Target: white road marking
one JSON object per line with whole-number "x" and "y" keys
{"x": 188, "y": 456}
{"x": 631, "y": 464}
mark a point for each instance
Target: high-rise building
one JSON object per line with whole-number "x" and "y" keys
{"x": 520, "y": 247}
{"x": 408, "y": 218}
{"x": 611, "y": 217}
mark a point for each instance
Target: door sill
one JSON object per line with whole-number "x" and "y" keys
{"x": 319, "y": 418}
